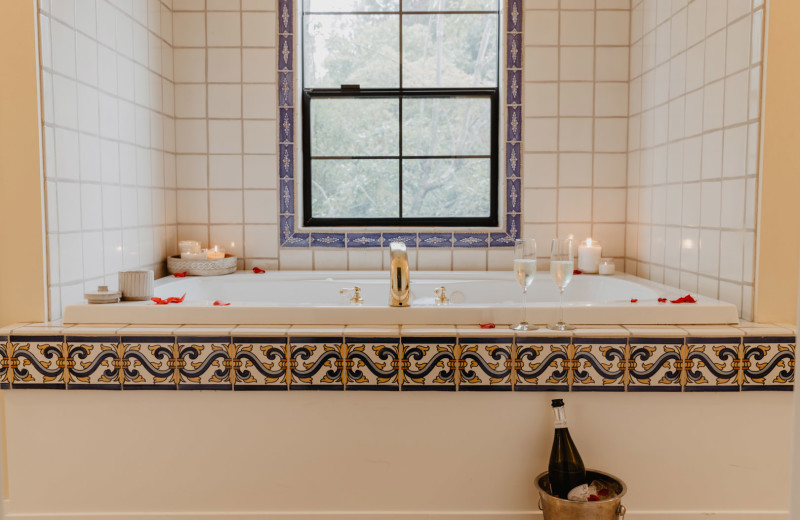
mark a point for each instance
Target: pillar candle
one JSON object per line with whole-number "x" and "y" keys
{"x": 589, "y": 256}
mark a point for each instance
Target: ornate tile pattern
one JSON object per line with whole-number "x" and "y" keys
{"x": 712, "y": 363}
{"x": 387, "y": 362}
{"x": 542, "y": 363}
{"x": 599, "y": 364}
{"x": 289, "y": 212}
{"x": 485, "y": 363}
{"x": 429, "y": 363}
{"x": 259, "y": 363}
{"x": 92, "y": 364}
{"x": 768, "y": 362}
{"x": 655, "y": 364}
{"x": 316, "y": 363}
{"x": 372, "y": 363}
{"x": 37, "y": 362}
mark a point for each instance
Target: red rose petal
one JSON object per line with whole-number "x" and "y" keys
{"x": 593, "y": 498}
{"x": 158, "y": 300}
{"x": 487, "y": 325}
{"x": 662, "y": 300}
{"x": 221, "y": 303}
{"x": 577, "y": 271}
{"x": 634, "y": 300}
{"x": 603, "y": 492}
{"x": 685, "y": 299}
{"x": 179, "y": 275}
{"x": 258, "y": 270}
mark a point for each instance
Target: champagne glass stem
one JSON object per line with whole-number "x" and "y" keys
{"x": 561, "y": 305}
{"x": 524, "y": 305}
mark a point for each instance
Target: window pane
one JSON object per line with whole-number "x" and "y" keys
{"x": 447, "y": 126}
{"x": 450, "y": 5}
{"x": 350, "y": 6}
{"x": 446, "y": 187}
{"x": 355, "y": 188}
{"x": 351, "y": 50}
{"x": 450, "y": 50}
{"x": 345, "y": 127}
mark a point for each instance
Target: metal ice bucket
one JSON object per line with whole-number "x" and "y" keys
{"x": 557, "y": 509}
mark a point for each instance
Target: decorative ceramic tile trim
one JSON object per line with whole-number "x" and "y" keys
{"x": 768, "y": 362}
{"x": 437, "y": 359}
{"x": 510, "y": 220}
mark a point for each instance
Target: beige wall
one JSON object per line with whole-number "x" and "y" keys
{"x": 22, "y": 265}
{"x": 779, "y": 228}
{"x": 390, "y": 455}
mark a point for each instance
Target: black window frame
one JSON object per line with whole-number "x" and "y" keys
{"x": 400, "y": 93}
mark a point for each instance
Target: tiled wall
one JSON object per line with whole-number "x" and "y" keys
{"x": 575, "y": 132}
{"x": 108, "y": 141}
{"x": 226, "y": 126}
{"x": 695, "y": 71}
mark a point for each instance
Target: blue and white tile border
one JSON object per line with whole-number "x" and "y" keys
{"x": 457, "y": 361}
{"x": 291, "y": 236}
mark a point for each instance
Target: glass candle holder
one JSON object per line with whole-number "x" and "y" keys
{"x": 607, "y": 266}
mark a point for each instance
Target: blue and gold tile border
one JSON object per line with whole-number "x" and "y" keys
{"x": 510, "y": 221}
{"x": 454, "y": 362}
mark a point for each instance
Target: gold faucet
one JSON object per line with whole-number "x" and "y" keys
{"x": 398, "y": 274}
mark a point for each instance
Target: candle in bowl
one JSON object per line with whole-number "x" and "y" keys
{"x": 589, "y": 256}
{"x": 215, "y": 254}
{"x": 188, "y": 246}
{"x": 198, "y": 255}
{"x": 607, "y": 266}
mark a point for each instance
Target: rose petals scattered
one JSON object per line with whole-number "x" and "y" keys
{"x": 180, "y": 275}
{"x": 171, "y": 299}
{"x": 487, "y": 325}
{"x": 685, "y": 299}
{"x": 662, "y": 300}
{"x": 220, "y": 303}
{"x": 258, "y": 270}
{"x": 634, "y": 300}
{"x": 577, "y": 271}
{"x": 593, "y": 498}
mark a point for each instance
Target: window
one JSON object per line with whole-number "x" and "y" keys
{"x": 400, "y": 112}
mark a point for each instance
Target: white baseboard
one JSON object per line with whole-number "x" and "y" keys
{"x": 391, "y": 515}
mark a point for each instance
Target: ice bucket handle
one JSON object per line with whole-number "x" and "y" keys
{"x": 620, "y": 511}
{"x": 540, "y": 503}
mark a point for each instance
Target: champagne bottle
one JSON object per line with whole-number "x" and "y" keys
{"x": 566, "y": 470}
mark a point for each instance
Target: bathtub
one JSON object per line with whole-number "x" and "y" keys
{"x": 313, "y": 297}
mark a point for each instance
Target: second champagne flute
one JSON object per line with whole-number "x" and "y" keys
{"x": 561, "y": 267}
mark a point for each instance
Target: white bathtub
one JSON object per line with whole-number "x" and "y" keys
{"x": 312, "y": 297}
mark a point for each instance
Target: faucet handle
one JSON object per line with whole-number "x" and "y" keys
{"x": 441, "y": 296}
{"x": 356, "y": 298}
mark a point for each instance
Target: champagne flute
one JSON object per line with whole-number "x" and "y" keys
{"x": 524, "y": 270}
{"x": 561, "y": 267}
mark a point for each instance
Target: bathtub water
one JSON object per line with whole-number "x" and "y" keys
{"x": 313, "y": 297}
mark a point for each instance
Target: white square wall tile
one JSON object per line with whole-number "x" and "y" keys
{"x": 258, "y": 65}
{"x": 575, "y": 99}
{"x": 193, "y": 206}
{"x": 541, "y": 28}
{"x": 731, "y": 256}
{"x": 709, "y": 252}
{"x": 260, "y": 206}
{"x": 612, "y": 63}
{"x": 576, "y": 63}
{"x": 296, "y": 259}
{"x": 261, "y": 240}
{"x": 611, "y": 238}
{"x": 736, "y": 98}
{"x": 434, "y": 259}
{"x": 466, "y": 259}
{"x": 541, "y": 99}
{"x": 609, "y": 205}
{"x": 192, "y": 171}
{"x": 259, "y": 101}
{"x": 733, "y": 203}
{"x": 190, "y": 136}
{"x": 224, "y": 65}
{"x": 541, "y": 63}
{"x": 225, "y": 171}
{"x": 712, "y": 155}
{"x": 364, "y": 259}
{"x": 540, "y": 134}
{"x": 253, "y": 29}
{"x": 574, "y": 205}
{"x": 575, "y": 169}
{"x": 190, "y": 65}
{"x": 612, "y": 27}
{"x": 225, "y": 207}
{"x": 224, "y": 29}
{"x": 227, "y": 237}
{"x": 611, "y": 99}
{"x": 260, "y": 137}
{"x": 577, "y": 28}
{"x": 575, "y": 135}
{"x": 539, "y": 205}
{"x": 610, "y": 134}
{"x": 225, "y": 136}
{"x": 710, "y": 201}
{"x": 190, "y": 100}
{"x": 610, "y": 169}
{"x": 540, "y": 170}
{"x": 225, "y": 101}
{"x": 189, "y": 29}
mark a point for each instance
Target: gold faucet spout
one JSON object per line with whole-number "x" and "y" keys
{"x": 398, "y": 273}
